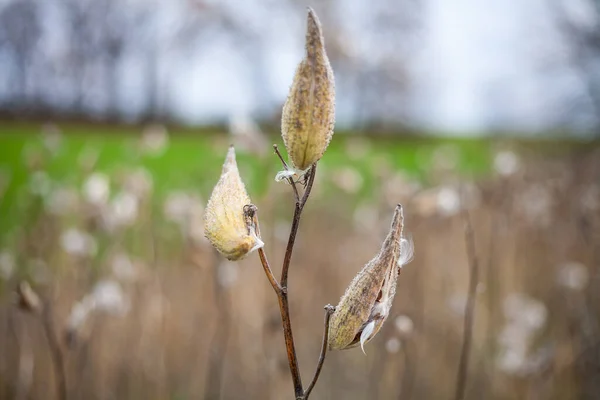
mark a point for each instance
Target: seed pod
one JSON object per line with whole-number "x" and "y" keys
{"x": 366, "y": 304}
{"x": 309, "y": 112}
{"x": 227, "y": 227}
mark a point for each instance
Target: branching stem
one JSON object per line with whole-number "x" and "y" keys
{"x": 329, "y": 309}
{"x": 281, "y": 289}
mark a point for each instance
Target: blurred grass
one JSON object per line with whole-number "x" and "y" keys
{"x": 193, "y": 157}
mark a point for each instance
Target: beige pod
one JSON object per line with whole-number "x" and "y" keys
{"x": 365, "y": 305}
{"x": 308, "y": 115}
{"x": 225, "y": 224}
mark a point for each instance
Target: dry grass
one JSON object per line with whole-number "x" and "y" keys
{"x": 198, "y": 328}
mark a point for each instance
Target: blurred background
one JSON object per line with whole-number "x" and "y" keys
{"x": 115, "y": 117}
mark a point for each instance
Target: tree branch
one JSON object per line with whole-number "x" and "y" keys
{"x": 329, "y": 309}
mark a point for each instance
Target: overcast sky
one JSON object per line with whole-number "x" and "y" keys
{"x": 478, "y": 65}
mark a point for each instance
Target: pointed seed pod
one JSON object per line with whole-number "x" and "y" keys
{"x": 226, "y": 226}
{"x": 366, "y": 303}
{"x": 309, "y": 112}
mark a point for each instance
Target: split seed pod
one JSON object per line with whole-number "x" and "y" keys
{"x": 366, "y": 304}
{"x": 227, "y": 227}
{"x": 308, "y": 115}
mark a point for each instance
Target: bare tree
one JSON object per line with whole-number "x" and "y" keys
{"x": 20, "y": 31}
{"x": 583, "y": 44}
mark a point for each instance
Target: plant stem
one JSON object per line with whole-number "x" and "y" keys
{"x": 461, "y": 378}
{"x": 295, "y": 224}
{"x": 329, "y": 309}
{"x": 281, "y": 289}
{"x": 55, "y": 351}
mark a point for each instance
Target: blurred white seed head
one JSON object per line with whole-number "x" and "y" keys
{"x": 123, "y": 210}
{"x": 393, "y": 345}
{"x": 348, "y": 179}
{"x": 404, "y": 325}
{"x": 108, "y": 296}
{"x": 79, "y": 314}
{"x": 511, "y": 362}
{"x": 506, "y": 163}
{"x": 573, "y": 275}
{"x": 525, "y": 310}
{"x": 448, "y": 201}
{"x": 123, "y": 268}
{"x": 96, "y": 189}
{"x": 78, "y": 243}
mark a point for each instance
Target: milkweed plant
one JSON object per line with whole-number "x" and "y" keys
{"x": 232, "y": 225}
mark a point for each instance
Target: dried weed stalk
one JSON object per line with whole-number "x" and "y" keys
{"x": 29, "y": 301}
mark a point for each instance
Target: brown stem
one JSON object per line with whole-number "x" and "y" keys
{"x": 281, "y": 287}
{"x": 290, "y": 348}
{"x": 251, "y": 212}
{"x": 461, "y": 378}
{"x": 329, "y": 309}
{"x": 55, "y": 351}
{"x": 268, "y": 271}
{"x": 295, "y": 224}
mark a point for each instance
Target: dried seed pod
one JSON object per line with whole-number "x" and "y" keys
{"x": 366, "y": 304}
{"x": 309, "y": 111}
{"x": 227, "y": 227}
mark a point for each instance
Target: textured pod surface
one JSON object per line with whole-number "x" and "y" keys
{"x": 365, "y": 305}
{"x": 226, "y": 227}
{"x": 308, "y": 115}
